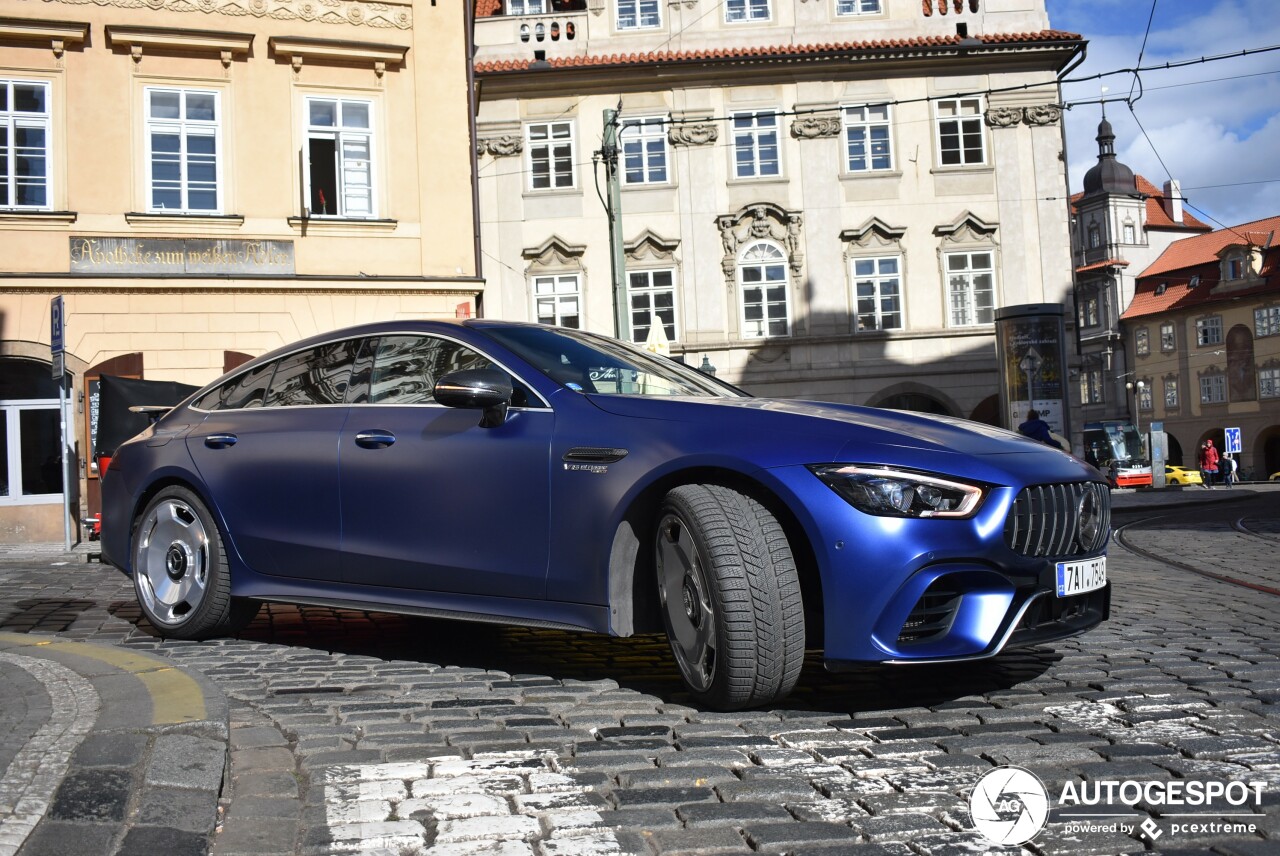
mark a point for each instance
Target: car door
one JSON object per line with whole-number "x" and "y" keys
{"x": 269, "y": 455}
{"x": 430, "y": 500}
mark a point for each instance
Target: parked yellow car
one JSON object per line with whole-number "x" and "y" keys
{"x": 1181, "y": 475}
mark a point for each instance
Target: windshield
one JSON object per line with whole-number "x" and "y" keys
{"x": 585, "y": 362}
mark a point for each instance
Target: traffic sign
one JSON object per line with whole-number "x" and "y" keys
{"x": 57, "y": 344}
{"x": 1233, "y": 440}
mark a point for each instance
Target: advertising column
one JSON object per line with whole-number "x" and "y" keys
{"x": 1031, "y": 350}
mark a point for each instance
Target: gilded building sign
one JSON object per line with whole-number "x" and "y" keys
{"x": 180, "y": 256}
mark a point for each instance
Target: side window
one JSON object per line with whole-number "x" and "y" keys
{"x": 315, "y": 376}
{"x": 406, "y": 368}
{"x": 247, "y": 390}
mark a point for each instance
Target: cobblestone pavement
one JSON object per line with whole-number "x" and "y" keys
{"x": 355, "y": 732}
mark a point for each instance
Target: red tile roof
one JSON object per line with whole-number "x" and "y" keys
{"x": 488, "y": 8}
{"x": 767, "y": 52}
{"x": 1157, "y": 217}
{"x": 1198, "y": 256}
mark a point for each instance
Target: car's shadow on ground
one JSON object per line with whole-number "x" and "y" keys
{"x": 642, "y": 663}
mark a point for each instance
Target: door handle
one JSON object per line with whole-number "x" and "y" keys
{"x": 376, "y": 438}
{"x": 220, "y": 441}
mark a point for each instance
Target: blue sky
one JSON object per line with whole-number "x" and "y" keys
{"x": 1214, "y": 126}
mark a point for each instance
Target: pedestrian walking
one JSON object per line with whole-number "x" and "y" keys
{"x": 1228, "y": 467}
{"x": 1208, "y": 464}
{"x": 1037, "y": 429}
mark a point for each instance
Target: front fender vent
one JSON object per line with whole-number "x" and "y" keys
{"x": 594, "y": 455}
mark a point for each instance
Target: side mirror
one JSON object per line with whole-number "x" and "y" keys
{"x": 477, "y": 389}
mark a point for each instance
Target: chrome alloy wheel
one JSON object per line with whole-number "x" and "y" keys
{"x": 171, "y": 561}
{"x": 686, "y": 602}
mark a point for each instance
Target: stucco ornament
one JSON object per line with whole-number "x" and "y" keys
{"x": 701, "y": 134}
{"x": 1003, "y": 117}
{"x": 359, "y": 13}
{"x": 813, "y": 127}
{"x": 760, "y": 222}
{"x": 1042, "y": 114}
{"x": 500, "y": 147}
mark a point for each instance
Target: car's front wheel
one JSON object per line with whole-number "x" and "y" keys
{"x": 180, "y": 570}
{"x": 730, "y": 597}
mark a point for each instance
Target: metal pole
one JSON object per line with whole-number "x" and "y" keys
{"x": 66, "y": 465}
{"x": 617, "y": 255}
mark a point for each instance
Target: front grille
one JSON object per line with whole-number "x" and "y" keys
{"x": 1045, "y": 519}
{"x": 931, "y": 616}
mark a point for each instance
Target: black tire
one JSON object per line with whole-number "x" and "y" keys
{"x": 180, "y": 572}
{"x": 730, "y": 597}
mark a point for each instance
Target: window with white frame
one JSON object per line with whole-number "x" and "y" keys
{"x": 1269, "y": 382}
{"x": 24, "y": 145}
{"x": 1142, "y": 339}
{"x": 1130, "y": 234}
{"x": 650, "y": 293}
{"x": 866, "y": 138}
{"x": 857, "y": 7}
{"x": 1145, "y": 397}
{"x": 526, "y": 7}
{"x": 30, "y": 466}
{"x": 877, "y": 293}
{"x": 755, "y": 144}
{"x": 644, "y": 150}
{"x": 971, "y": 288}
{"x": 340, "y": 146}
{"x": 550, "y": 148}
{"x": 1168, "y": 339}
{"x": 639, "y": 14}
{"x": 184, "y": 164}
{"x": 556, "y": 299}
{"x": 960, "y": 135}
{"x": 1091, "y": 386}
{"x": 746, "y": 10}
{"x": 762, "y": 276}
{"x": 1170, "y": 393}
{"x": 1266, "y": 321}
{"x": 1209, "y": 331}
{"x": 1213, "y": 389}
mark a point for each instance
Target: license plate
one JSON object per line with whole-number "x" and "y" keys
{"x": 1080, "y": 577}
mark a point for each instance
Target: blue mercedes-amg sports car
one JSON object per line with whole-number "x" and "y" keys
{"x": 521, "y": 473}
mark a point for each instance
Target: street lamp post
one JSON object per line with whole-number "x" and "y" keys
{"x": 1137, "y": 388}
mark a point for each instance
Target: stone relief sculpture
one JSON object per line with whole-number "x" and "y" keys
{"x": 764, "y": 221}
{"x": 699, "y": 134}
{"x": 500, "y": 147}
{"x": 813, "y": 127}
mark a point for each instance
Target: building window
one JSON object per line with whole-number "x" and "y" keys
{"x": 649, "y": 293}
{"x": 877, "y": 287}
{"x": 638, "y": 14}
{"x": 1266, "y": 321}
{"x": 762, "y": 272}
{"x": 971, "y": 284}
{"x": 24, "y": 144}
{"x": 960, "y": 140}
{"x": 644, "y": 151}
{"x": 1145, "y": 397}
{"x": 1233, "y": 268}
{"x": 1089, "y": 312}
{"x": 1269, "y": 383}
{"x": 866, "y": 137}
{"x": 30, "y": 467}
{"x": 1142, "y": 338}
{"x": 1209, "y": 331}
{"x": 1168, "y": 340}
{"x": 746, "y": 10}
{"x": 556, "y": 299}
{"x": 183, "y": 144}
{"x": 1213, "y": 389}
{"x": 755, "y": 144}
{"x": 1170, "y": 394}
{"x": 857, "y": 7}
{"x": 1130, "y": 234}
{"x": 340, "y": 157}
{"x": 526, "y": 7}
{"x": 550, "y": 146}
{"x": 1095, "y": 236}
{"x": 1091, "y": 387}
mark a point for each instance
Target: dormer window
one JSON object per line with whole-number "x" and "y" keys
{"x": 1162, "y": 288}
{"x": 1195, "y": 280}
{"x": 1233, "y": 268}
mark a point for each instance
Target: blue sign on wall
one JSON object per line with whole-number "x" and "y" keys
{"x": 1232, "y": 440}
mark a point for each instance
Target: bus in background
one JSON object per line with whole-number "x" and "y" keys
{"x": 1115, "y": 447}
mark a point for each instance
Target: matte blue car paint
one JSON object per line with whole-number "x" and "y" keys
{"x": 457, "y": 523}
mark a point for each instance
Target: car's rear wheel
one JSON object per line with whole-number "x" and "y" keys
{"x": 730, "y": 597}
{"x": 180, "y": 570}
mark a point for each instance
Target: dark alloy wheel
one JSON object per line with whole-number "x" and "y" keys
{"x": 180, "y": 571}
{"x": 730, "y": 597}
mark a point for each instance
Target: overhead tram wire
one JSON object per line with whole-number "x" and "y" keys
{"x": 1143, "y": 50}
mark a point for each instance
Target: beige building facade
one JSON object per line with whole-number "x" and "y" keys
{"x": 825, "y": 199}
{"x": 204, "y": 182}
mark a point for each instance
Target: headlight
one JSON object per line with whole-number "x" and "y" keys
{"x": 900, "y": 493}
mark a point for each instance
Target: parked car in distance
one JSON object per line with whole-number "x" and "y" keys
{"x": 1181, "y": 475}
{"x": 529, "y": 474}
